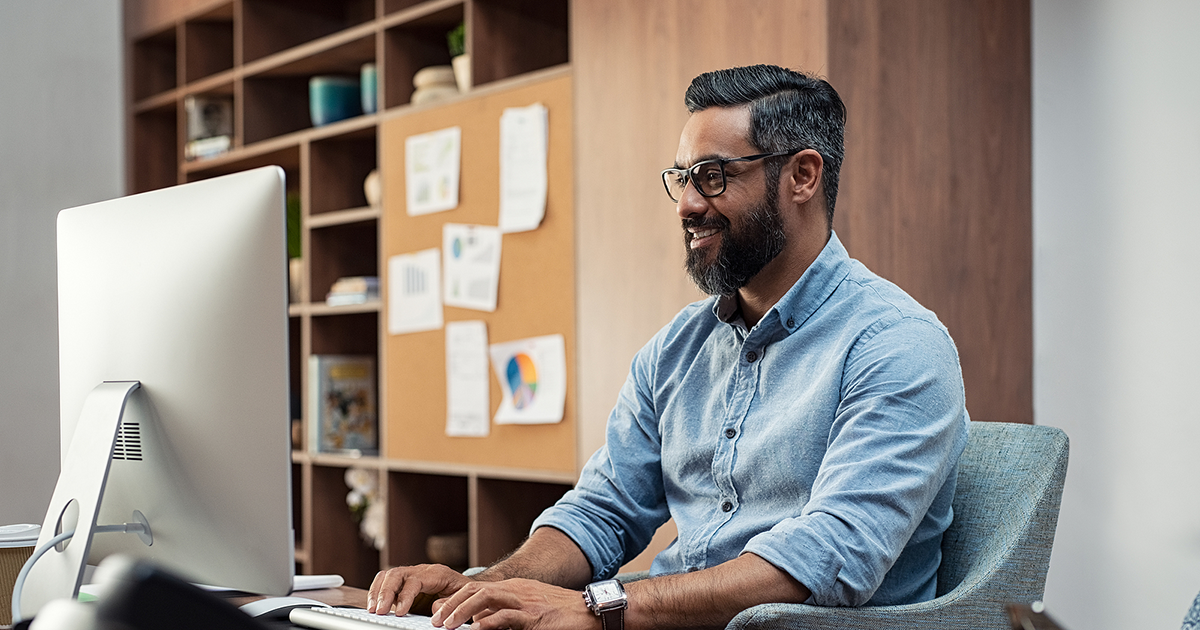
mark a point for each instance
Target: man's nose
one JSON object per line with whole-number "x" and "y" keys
{"x": 691, "y": 202}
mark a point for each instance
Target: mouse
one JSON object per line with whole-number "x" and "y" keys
{"x": 278, "y": 607}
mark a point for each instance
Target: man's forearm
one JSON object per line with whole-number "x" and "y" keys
{"x": 549, "y": 556}
{"x": 709, "y": 598}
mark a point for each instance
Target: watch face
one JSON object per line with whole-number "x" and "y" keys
{"x": 604, "y": 592}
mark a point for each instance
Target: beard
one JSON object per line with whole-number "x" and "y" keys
{"x": 744, "y": 250}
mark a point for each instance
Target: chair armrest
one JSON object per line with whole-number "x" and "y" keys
{"x": 936, "y": 613}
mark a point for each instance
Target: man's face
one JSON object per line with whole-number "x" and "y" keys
{"x": 731, "y": 237}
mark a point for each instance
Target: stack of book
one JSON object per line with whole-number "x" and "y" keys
{"x": 353, "y": 290}
{"x": 209, "y": 126}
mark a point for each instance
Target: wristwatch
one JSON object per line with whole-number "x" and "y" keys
{"x": 607, "y": 600}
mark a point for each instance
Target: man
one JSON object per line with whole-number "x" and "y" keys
{"x": 802, "y": 427}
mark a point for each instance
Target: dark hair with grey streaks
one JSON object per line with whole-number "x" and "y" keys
{"x": 788, "y": 109}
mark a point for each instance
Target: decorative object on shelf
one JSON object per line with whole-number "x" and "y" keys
{"x": 447, "y": 549}
{"x": 209, "y": 126}
{"x": 369, "y": 82}
{"x": 365, "y": 505}
{"x": 332, "y": 98}
{"x": 434, "y": 83}
{"x": 373, "y": 188}
{"x": 459, "y": 59}
{"x": 353, "y": 290}
{"x": 342, "y": 404}
{"x": 297, "y": 434}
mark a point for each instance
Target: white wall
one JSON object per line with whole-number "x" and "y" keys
{"x": 1116, "y": 190}
{"x": 60, "y": 145}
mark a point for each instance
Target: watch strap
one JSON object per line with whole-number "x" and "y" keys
{"x": 613, "y": 619}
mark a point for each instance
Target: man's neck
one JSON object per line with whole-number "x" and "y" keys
{"x": 774, "y": 281}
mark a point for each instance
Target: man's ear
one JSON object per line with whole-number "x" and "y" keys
{"x": 803, "y": 175}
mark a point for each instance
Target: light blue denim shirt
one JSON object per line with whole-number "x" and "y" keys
{"x": 824, "y": 440}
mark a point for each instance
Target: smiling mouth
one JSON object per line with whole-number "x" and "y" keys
{"x": 701, "y": 236}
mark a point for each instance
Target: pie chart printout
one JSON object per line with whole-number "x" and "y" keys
{"x": 522, "y": 380}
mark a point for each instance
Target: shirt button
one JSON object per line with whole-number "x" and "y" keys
{"x": 791, "y": 322}
{"x": 726, "y": 506}
{"x": 729, "y": 433}
{"x": 752, "y": 356}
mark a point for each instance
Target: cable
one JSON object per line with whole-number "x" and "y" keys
{"x": 135, "y": 528}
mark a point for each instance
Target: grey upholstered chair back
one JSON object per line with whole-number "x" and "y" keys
{"x": 1010, "y": 482}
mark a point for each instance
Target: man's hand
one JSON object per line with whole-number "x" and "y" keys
{"x": 400, "y": 586}
{"x": 518, "y": 603}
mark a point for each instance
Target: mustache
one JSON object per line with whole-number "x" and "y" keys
{"x": 715, "y": 221}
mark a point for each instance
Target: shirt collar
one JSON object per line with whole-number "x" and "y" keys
{"x": 815, "y": 286}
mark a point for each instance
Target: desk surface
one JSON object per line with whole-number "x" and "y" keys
{"x": 341, "y": 596}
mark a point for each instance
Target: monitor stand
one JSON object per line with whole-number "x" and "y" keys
{"x": 77, "y": 496}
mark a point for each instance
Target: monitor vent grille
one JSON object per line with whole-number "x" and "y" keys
{"x": 129, "y": 442}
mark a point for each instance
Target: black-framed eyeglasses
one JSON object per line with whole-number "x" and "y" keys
{"x": 708, "y": 176}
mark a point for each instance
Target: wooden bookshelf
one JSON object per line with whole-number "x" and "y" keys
{"x": 262, "y": 54}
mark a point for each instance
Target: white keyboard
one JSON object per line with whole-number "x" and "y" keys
{"x": 356, "y": 619}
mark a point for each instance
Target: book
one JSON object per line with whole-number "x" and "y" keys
{"x": 209, "y": 125}
{"x": 209, "y": 116}
{"x": 206, "y": 147}
{"x": 342, "y": 404}
{"x": 353, "y": 290}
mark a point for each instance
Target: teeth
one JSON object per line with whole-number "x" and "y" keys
{"x": 703, "y": 233}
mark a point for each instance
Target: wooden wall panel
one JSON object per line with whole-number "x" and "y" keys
{"x": 632, "y": 62}
{"x": 935, "y": 192}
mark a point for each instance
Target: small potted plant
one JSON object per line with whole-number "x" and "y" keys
{"x": 459, "y": 58}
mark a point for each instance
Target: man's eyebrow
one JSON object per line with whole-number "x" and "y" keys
{"x": 702, "y": 158}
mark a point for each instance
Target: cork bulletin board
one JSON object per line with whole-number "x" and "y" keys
{"x": 537, "y": 280}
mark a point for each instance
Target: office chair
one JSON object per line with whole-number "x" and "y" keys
{"x": 997, "y": 550}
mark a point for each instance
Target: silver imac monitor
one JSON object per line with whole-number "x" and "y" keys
{"x": 173, "y": 351}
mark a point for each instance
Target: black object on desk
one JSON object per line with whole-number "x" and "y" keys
{"x": 149, "y": 598}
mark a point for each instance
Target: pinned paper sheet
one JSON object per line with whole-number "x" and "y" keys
{"x": 471, "y": 261}
{"x": 533, "y": 377}
{"x": 431, "y": 170}
{"x": 468, "y": 394}
{"x": 524, "y": 141}
{"x": 414, "y": 296}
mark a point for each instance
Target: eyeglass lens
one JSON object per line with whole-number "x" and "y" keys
{"x": 708, "y": 178}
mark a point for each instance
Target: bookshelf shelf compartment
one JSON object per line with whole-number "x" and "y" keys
{"x": 337, "y": 545}
{"x": 506, "y": 510}
{"x": 413, "y": 45}
{"x": 349, "y": 333}
{"x": 342, "y": 163}
{"x": 419, "y": 506}
{"x": 156, "y": 140}
{"x": 514, "y": 37}
{"x": 272, "y": 26}
{"x": 154, "y": 64}
{"x": 342, "y": 250}
{"x": 208, "y": 44}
